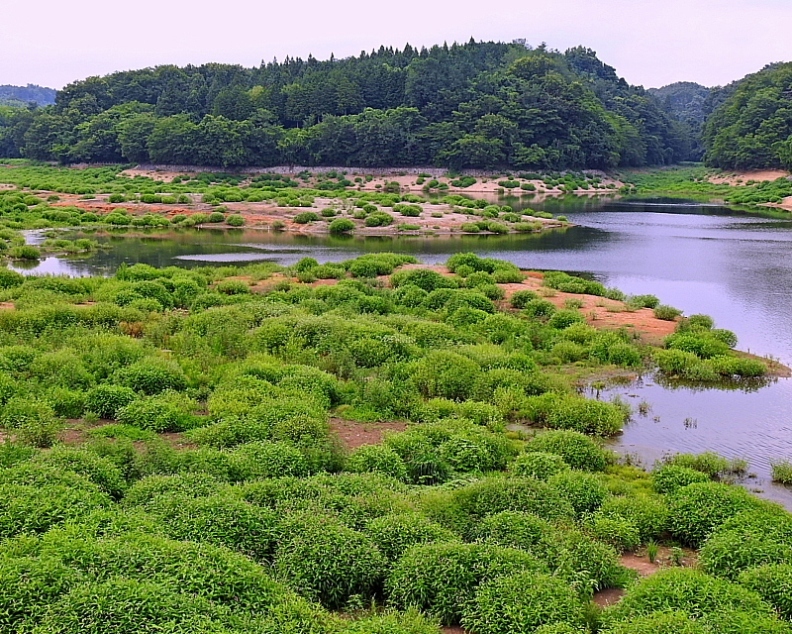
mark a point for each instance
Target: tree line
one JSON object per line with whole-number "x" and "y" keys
{"x": 752, "y": 127}
{"x": 474, "y": 105}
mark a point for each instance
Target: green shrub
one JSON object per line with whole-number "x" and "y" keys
{"x": 30, "y": 585}
{"x": 257, "y": 460}
{"x": 101, "y": 471}
{"x": 126, "y": 605}
{"x": 748, "y": 539}
{"x": 578, "y": 450}
{"x": 341, "y": 225}
{"x": 441, "y": 578}
{"x": 669, "y": 478}
{"x": 152, "y": 375}
{"x": 503, "y": 605}
{"x": 159, "y": 414}
{"x": 394, "y": 534}
{"x": 686, "y": 590}
{"x": 538, "y": 309}
{"x": 520, "y": 299}
{"x": 539, "y": 464}
{"x": 696, "y": 510}
{"x": 218, "y": 520}
{"x": 667, "y": 313}
{"x": 377, "y": 459}
{"x": 648, "y": 514}
{"x": 772, "y": 582}
{"x": 378, "y": 219}
{"x": 661, "y": 622}
{"x": 446, "y": 374}
{"x": 412, "y": 622}
{"x": 708, "y": 463}
{"x": 620, "y": 533}
{"x": 36, "y": 509}
{"x": 328, "y": 562}
{"x": 303, "y": 218}
{"x": 106, "y": 400}
{"x": 514, "y": 529}
{"x": 235, "y": 220}
{"x": 585, "y": 491}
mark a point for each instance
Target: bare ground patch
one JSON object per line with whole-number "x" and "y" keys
{"x": 354, "y": 434}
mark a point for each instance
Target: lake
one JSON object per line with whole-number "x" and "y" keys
{"x": 734, "y": 266}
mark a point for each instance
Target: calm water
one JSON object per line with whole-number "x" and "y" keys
{"x": 731, "y": 265}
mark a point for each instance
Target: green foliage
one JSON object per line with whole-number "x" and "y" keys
{"x": 341, "y": 225}
{"x": 328, "y": 562}
{"x": 539, "y": 464}
{"x": 394, "y": 534}
{"x": 106, "y": 400}
{"x": 686, "y": 590}
{"x": 772, "y": 582}
{"x": 698, "y": 509}
{"x": 585, "y": 491}
{"x": 503, "y": 605}
{"x": 577, "y": 450}
{"x": 152, "y": 375}
{"x": 748, "y": 539}
{"x": 670, "y": 477}
{"x": 441, "y": 578}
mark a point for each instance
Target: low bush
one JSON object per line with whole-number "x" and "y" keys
{"x": 667, "y": 313}
{"x": 106, "y": 400}
{"x": 127, "y": 605}
{"x": 696, "y": 510}
{"x": 442, "y": 578}
{"x": 649, "y": 514}
{"x": 539, "y": 464}
{"x": 152, "y": 375}
{"x": 218, "y": 520}
{"x": 503, "y": 605}
{"x": 377, "y": 459}
{"x": 305, "y": 217}
{"x": 748, "y": 539}
{"x": 686, "y": 590}
{"x": 328, "y": 562}
{"x": 394, "y": 534}
{"x": 578, "y": 450}
{"x": 669, "y": 478}
{"x": 585, "y": 491}
{"x": 341, "y": 225}
{"x": 772, "y": 582}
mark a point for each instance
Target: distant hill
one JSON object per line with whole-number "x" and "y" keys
{"x": 751, "y": 122}
{"x": 686, "y": 100}
{"x": 24, "y": 95}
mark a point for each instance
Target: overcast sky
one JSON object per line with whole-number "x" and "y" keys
{"x": 649, "y": 42}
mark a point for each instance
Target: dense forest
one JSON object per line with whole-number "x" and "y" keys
{"x": 752, "y": 128}
{"x": 475, "y": 105}
{"x": 26, "y": 95}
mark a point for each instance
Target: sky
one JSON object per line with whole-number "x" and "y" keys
{"x": 649, "y": 42}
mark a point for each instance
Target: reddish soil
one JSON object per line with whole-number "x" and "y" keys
{"x": 353, "y": 434}
{"x": 604, "y": 598}
{"x": 263, "y": 214}
{"x": 600, "y": 312}
{"x": 453, "y": 630}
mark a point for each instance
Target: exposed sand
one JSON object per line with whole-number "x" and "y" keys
{"x": 742, "y": 178}
{"x": 601, "y": 312}
{"x": 436, "y": 218}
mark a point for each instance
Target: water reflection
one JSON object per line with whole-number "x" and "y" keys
{"x": 705, "y": 259}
